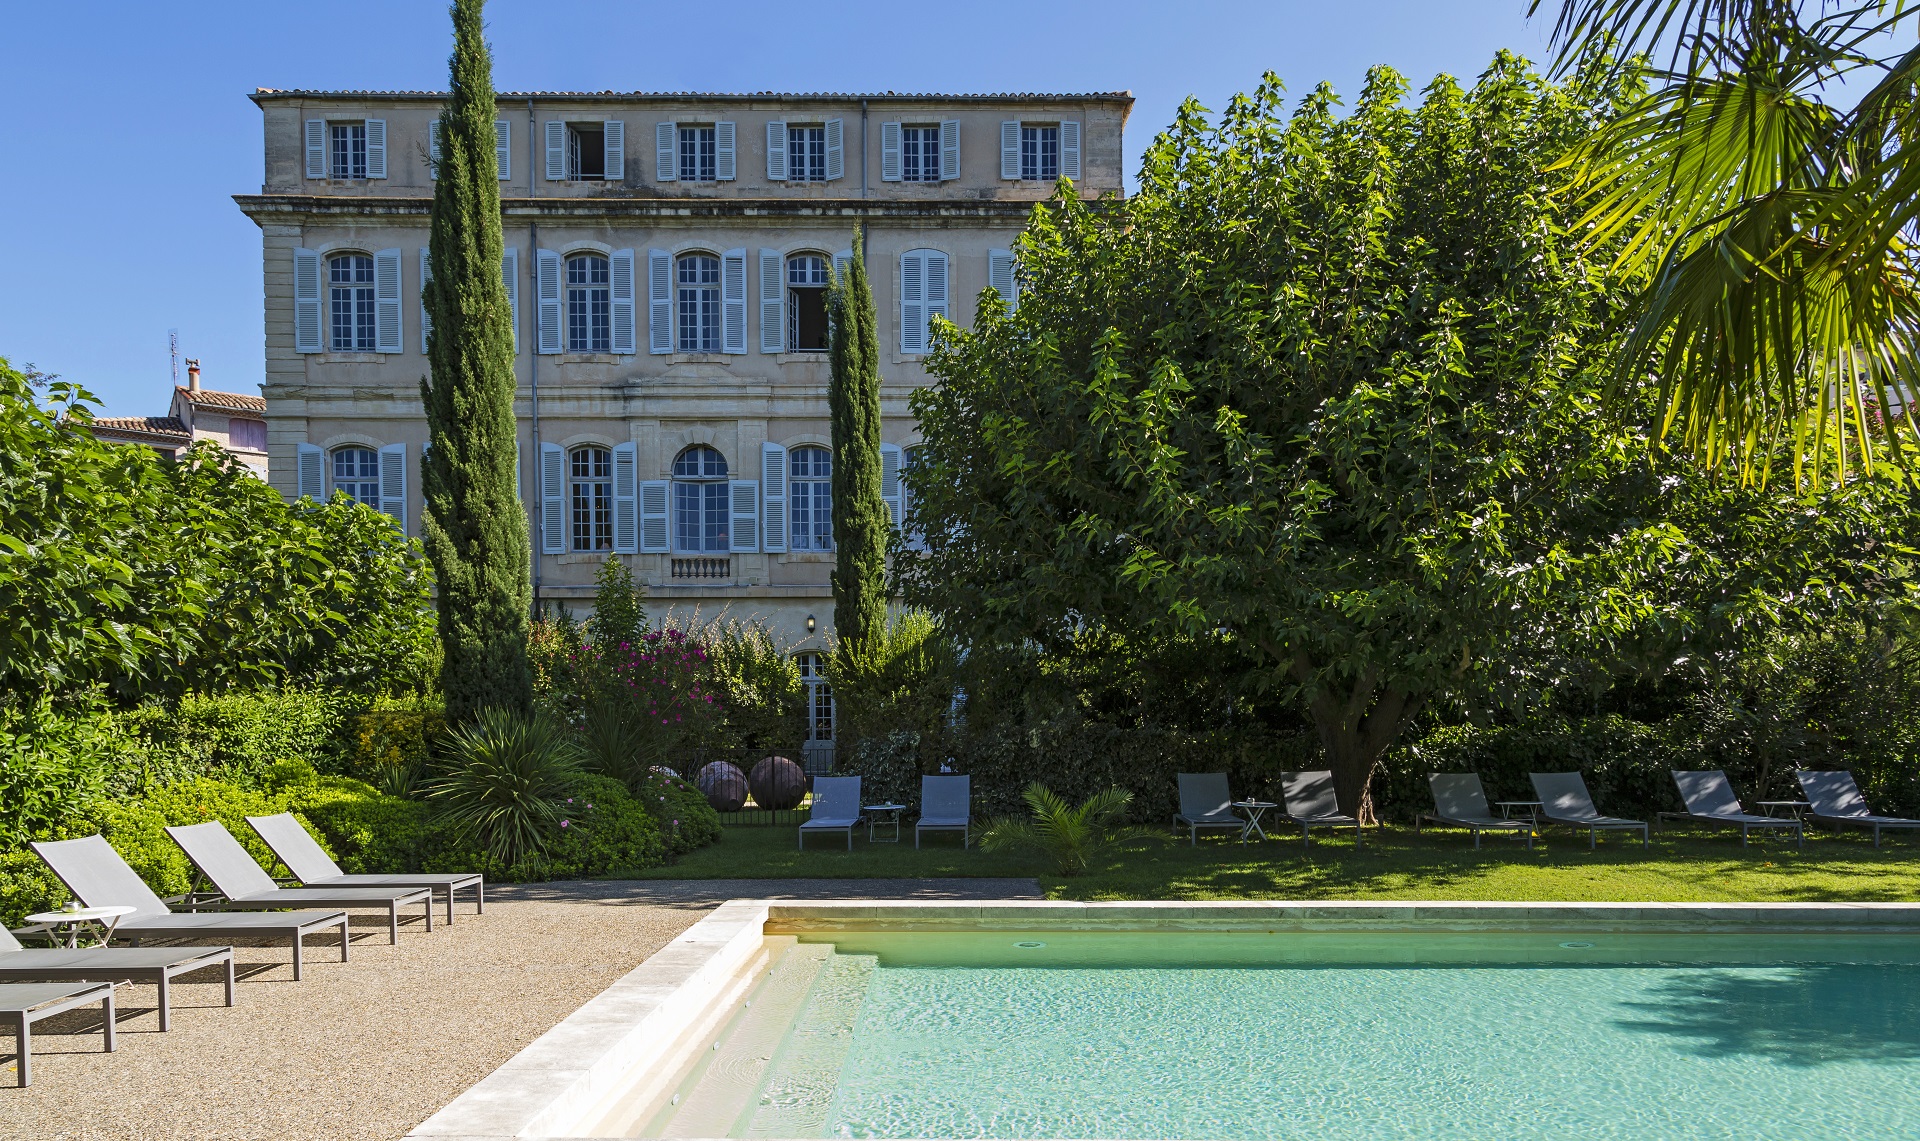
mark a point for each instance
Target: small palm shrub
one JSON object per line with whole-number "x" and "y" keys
{"x": 503, "y": 784}
{"x": 1072, "y": 837}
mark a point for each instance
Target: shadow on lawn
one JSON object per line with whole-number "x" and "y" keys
{"x": 1796, "y": 1016}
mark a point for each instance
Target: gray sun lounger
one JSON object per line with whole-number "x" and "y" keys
{"x": 24, "y": 1004}
{"x": 946, "y": 805}
{"x": 98, "y": 877}
{"x": 246, "y": 886}
{"x": 156, "y": 965}
{"x": 1836, "y": 800}
{"x": 836, "y": 808}
{"x": 311, "y": 865}
{"x": 1459, "y": 801}
{"x": 1564, "y": 800}
{"x": 1206, "y": 803}
{"x": 1311, "y": 804}
{"x": 1710, "y": 800}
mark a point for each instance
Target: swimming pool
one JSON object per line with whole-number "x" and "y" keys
{"x": 1739, "y": 1024}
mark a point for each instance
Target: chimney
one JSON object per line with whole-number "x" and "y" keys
{"x": 193, "y": 374}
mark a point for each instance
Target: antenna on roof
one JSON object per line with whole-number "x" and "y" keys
{"x": 173, "y": 351}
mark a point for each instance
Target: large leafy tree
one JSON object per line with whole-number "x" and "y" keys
{"x": 476, "y": 531}
{"x": 860, "y": 520}
{"x": 1330, "y": 389}
{"x": 1764, "y": 189}
{"x": 148, "y": 577}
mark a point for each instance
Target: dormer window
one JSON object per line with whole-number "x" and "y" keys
{"x": 698, "y": 154}
{"x": 347, "y": 150}
{"x": 806, "y": 154}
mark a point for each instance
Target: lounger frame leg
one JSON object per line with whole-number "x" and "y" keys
{"x": 23, "y": 1050}
{"x": 296, "y": 955}
{"x": 107, "y": 1003}
{"x": 229, "y": 978}
{"x": 393, "y": 922}
{"x": 164, "y": 988}
{"x": 346, "y": 936}
{"x": 480, "y": 898}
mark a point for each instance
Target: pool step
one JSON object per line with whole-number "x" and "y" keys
{"x": 798, "y": 1091}
{"x": 722, "y": 1089}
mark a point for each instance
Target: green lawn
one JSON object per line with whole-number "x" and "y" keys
{"x": 1681, "y": 866}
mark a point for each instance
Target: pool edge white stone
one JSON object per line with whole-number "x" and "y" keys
{"x": 565, "y": 1078}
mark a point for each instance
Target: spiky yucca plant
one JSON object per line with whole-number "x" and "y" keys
{"x": 1073, "y": 837}
{"x": 503, "y": 781}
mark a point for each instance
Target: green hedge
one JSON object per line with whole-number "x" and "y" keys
{"x": 1627, "y": 764}
{"x": 1077, "y": 759}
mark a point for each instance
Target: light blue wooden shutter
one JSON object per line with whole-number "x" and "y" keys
{"x": 913, "y": 310}
{"x": 733, "y": 301}
{"x": 773, "y": 496}
{"x": 1010, "y": 149}
{"x": 659, "y": 301}
{"x": 723, "y": 165}
{"x": 556, "y": 151}
{"x": 620, "y": 271}
{"x": 1070, "y": 149}
{"x": 890, "y": 488}
{"x": 376, "y": 148}
{"x": 433, "y": 149}
{"x": 889, "y": 152}
{"x": 773, "y": 303}
{"x": 1000, "y": 276}
{"x": 653, "y": 516}
{"x": 426, "y": 318}
{"x": 666, "y": 168}
{"x": 386, "y": 301}
{"x": 553, "y": 523}
{"x": 949, "y": 150}
{"x": 316, "y": 148}
{"x": 503, "y": 147}
{"x": 547, "y": 269}
{"x": 836, "y": 149}
{"x": 626, "y": 508}
{"x": 936, "y": 295}
{"x": 510, "y": 275}
{"x": 310, "y": 474}
{"x": 743, "y": 532}
{"x": 614, "y": 141}
{"x": 393, "y": 483}
{"x": 776, "y": 152}
{"x": 306, "y": 302}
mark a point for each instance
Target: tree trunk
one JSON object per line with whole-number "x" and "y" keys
{"x": 1355, "y": 732}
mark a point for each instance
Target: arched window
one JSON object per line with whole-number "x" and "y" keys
{"x": 700, "y": 501}
{"x": 819, "y": 696}
{"x": 350, "y": 302}
{"x": 590, "y": 493}
{"x": 699, "y": 303}
{"x": 807, "y": 304}
{"x": 589, "y": 308}
{"x": 356, "y": 471}
{"x": 810, "y": 499}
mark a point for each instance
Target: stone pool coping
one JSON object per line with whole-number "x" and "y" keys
{"x": 638, "y": 1025}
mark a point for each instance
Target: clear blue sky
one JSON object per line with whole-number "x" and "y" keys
{"x": 128, "y": 127}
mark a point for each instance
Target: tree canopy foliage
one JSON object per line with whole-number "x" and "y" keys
{"x": 149, "y": 576}
{"x": 1331, "y": 389}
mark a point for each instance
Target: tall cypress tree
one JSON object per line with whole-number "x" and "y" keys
{"x": 476, "y": 532}
{"x": 860, "y": 521}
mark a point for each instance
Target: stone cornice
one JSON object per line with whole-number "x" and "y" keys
{"x": 291, "y": 208}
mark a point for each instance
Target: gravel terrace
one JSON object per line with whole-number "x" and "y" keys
{"x": 371, "y": 1047}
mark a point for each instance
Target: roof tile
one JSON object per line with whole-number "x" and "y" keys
{"x": 232, "y": 401}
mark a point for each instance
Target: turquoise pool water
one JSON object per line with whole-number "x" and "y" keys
{"x": 1353, "y": 1036}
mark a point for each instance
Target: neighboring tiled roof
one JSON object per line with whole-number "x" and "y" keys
{"x": 261, "y": 93}
{"x": 143, "y": 429}
{"x": 232, "y": 401}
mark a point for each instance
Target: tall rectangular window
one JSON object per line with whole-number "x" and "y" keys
{"x": 920, "y": 154}
{"x": 810, "y": 499}
{"x": 806, "y": 154}
{"x": 350, "y": 301}
{"x": 699, "y": 290}
{"x": 589, "y": 308}
{"x": 347, "y": 150}
{"x": 1040, "y": 153}
{"x": 697, "y": 154}
{"x": 586, "y": 151}
{"x": 591, "y": 479}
